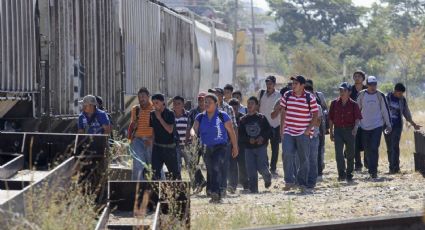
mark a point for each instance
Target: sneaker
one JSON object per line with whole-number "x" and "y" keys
{"x": 231, "y": 190}
{"x": 274, "y": 174}
{"x": 342, "y": 177}
{"x": 215, "y": 199}
{"x": 305, "y": 189}
{"x": 319, "y": 178}
{"x": 374, "y": 175}
{"x": 199, "y": 188}
{"x": 349, "y": 178}
{"x": 288, "y": 187}
{"x": 358, "y": 169}
{"x": 267, "y": 184}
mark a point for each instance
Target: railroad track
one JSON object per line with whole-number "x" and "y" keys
{"x": 408, "y": 221}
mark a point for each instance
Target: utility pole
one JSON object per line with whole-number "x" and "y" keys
{"x": 254, "y": 47}
{"x": 235, "y": 42}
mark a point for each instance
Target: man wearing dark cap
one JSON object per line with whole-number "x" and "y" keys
{"x": 358, "y": 77}
{"x": 344, "y": 120}
{"x": 232, "y": 172}
{"x": 298, "y": 118}
{"x": 268, "y": 100}
{"x": 162, "y": 121}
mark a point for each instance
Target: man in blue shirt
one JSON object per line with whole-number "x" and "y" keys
{"x": 214, "y": 128}
{"x": 91, "y": 119}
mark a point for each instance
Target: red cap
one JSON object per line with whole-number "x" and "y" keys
{"x": 202, "y": 94}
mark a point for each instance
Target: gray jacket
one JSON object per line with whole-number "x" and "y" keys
{"x": 404, "y": 108}
{"x": 385, "y": 110}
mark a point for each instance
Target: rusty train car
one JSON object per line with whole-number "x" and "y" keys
{"x": 53, "y": 52}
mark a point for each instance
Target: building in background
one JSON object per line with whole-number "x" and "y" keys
{"x": 245, "y": 56}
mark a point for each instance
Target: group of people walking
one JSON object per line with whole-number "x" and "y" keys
{"x": 234, "y": 137}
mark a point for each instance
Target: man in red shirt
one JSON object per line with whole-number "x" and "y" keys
{"x": 344, "y": 119}
{"x": 298, "y": 117}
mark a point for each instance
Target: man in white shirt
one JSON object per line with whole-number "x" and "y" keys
{"x": 268, "y": 99}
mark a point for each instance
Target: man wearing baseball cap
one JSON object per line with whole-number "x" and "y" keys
{"x": 344, "y": 120}
{"x": 375, "y": 118}
{"x": 93, "y": 120}
{"x": 298, "y": 118}
{"x": 358, "y": 77}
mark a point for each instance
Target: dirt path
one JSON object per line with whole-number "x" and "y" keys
{"x": 331, "y": 200}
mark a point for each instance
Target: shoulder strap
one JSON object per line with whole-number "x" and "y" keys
{"x": 308, "y": 99}
{"x": 287, "y": 96}
{"x": 220, "y": 116}
{"x": 262, "y": 94}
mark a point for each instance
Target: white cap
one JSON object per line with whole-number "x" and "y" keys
{"x": 371, "y": 79}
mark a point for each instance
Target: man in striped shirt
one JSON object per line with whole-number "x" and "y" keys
{"x": 141, "y": 142}
{"x": 181, "y": 117}
{"x": 298, "y": 118}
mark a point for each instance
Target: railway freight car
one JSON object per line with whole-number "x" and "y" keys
{"x": 53, "y": 52}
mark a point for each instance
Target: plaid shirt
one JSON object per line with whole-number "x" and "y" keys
{"x": 229, "y": 110}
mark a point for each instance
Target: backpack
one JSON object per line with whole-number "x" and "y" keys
{"x": 307, "y": 97}
{"x": 132, "y": 128}
{"x": 381, "y": 98}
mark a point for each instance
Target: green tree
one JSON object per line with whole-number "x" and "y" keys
{"x": 319, "y": 19}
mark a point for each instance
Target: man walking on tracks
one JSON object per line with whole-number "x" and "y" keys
{"x": 215, "y": 128}
{"x": 398, "y": 109}
{"x": 344, "y": 119}
{"x": 299, "y": 114}
{"x": 358, "y": 77}
{"x": 93, "y": 120}
{"x": 268, "y": 99}
{"x": 140, "y": 133}
{"x": 375, "y": 118}
{"x": 164, "y": 151}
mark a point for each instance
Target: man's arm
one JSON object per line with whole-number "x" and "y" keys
{"x": 312, "y": 123}
{"x": 331, "y": 130}
{"x": 282, "y": 121}
{"x": 194, "y": 129}
{"x": 229, "y": 127}
{"x": 276, "y": 110}
{"x": 106, "y": 129}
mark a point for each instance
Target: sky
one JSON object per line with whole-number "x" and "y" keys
{"x": 263, "y": 3}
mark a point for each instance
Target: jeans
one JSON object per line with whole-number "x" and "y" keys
{"x": 292, "y": 147}
{"x": 168, "y": 156}
{"x": 393, "y": 148}
{"x": 358, "y": 148}
{"x": 312, "y": 160}
{"x": 232, "y": 170}
{"x": 321, "y": 154}
{"x": 256, "y": 160}
{"x": 344, "y": 137}
{"x": 226, "y": 172}
{"x": 243, "y": 176}
{"x": 181, "y": 153}
{"x": 215, "y": 158}
{"x": 371, "y": 142}
{"x": 142, "y": 153}
{"x": 274, "y": 142}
